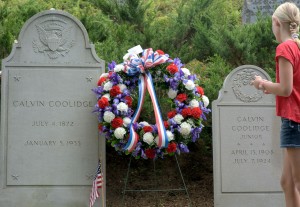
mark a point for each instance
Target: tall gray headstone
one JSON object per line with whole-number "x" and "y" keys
{"x": 49, "y": 144}
{"x": 253, "y": 8}
{"x": 246, "y": 153}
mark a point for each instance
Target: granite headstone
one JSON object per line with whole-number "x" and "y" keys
{"x": 246, "y": 153}
{"x": 49, "y": 146}
{"x": 254, "y": 8}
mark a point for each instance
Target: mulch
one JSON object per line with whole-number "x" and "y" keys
{"x": 162, "y": 175}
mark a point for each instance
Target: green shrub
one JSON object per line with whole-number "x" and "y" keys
{"x": 193, "y": 30}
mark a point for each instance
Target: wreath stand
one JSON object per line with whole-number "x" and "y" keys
{"x": 156, "y": 189}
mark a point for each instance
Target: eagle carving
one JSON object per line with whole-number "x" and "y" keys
{"x": 54, "y": 42}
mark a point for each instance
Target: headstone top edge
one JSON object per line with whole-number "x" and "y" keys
{"x": 57, "y": 14}
{"x": 243, "y": 67}
{"x": 236, "y": 87}
{"x": 53, "y": 12}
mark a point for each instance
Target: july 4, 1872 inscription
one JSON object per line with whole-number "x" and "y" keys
{"x": 247, "y": 157}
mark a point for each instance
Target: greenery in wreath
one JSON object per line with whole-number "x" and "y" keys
{"x": 121, "y": 93}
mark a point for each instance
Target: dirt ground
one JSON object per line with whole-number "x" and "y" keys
{"x": 196, "y": 168}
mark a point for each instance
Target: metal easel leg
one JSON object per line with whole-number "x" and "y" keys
{"x": 186, "y": 191}
{"x": 156, "y": 184}
{"x": 126, "y": 181}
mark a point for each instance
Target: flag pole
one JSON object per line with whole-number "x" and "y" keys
{"x": 103, "y": 186}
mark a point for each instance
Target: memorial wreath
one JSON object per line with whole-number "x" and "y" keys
{"x": 121, "y": 93}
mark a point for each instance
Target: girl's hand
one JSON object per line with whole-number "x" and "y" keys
{"x": 258, "y": 82}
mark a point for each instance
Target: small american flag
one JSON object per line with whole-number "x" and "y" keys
{"x": 97, "y": 183}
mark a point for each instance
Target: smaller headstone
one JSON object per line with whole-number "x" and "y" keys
{"x": 247, "y": 156}
{"x": 253, "y": 8}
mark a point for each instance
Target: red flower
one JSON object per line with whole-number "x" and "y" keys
{"x": 196, "y": 112}
{"x": 166, "y": 123}
{"x": 110, "y": 73}
{"x": 114, "y": 91}
{"x": 160, "y": 52}
{"x": 100, "y": 127}
{"x": 172, "y": 68}
{"x": 150, "y": 153}
{"x": 147, "y": 129}
{"x": 186, "y": 112}
{"x": 103, "y": 102}
{"x": 200, "y": 90}
{"x": 171, "y": 147}
{"x": 171, "y": 114}
{"x": 117, "y": 122}
{"x": 101, "y": 80}
{"x": 181, "y": 97}
{"x": 128, "y": 100}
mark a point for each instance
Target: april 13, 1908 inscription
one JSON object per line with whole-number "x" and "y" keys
{"x": 247, "y": 146}
{"x": 251, "y": 133}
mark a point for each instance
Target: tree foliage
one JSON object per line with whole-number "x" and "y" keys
{"x": 189, "y": 29}
{"x": 207, "y": 35}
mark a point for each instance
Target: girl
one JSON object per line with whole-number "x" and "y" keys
{"x": 285, "y": 26}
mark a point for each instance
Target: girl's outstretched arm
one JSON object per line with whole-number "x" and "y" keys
{"x": 285, "y": 85}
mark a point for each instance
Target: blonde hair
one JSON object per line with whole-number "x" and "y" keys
{"x": 288, "y": 13}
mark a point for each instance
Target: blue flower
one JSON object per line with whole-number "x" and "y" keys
{"x": 111, "y": 65}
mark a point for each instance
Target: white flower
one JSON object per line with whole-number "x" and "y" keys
{"x": 186, "y": 72}
{"x": 170, "y": 135}
{"x": 107, "y": 96}
{"x": 185, "y": 128}
{"x": 205, "y": 100}
{"x": 119, "y": 68}
{"x": 178, "y": 118}
{"x": 103, "y": 75}
{"x": 123, "y": 107}
{"x": 148, "y": 138}
{"x": 108, "y": 116}
{"x": 119, "y": 132}
{"x": 172, "y": 93}
{"x": 126, "y": 121}
{"x": 190, "y": 85}
{"x": 194, "y": 103}
{"x": 107, "y": 86}
{"x": 144, "y": 123}
{"x": 122, "y": 87}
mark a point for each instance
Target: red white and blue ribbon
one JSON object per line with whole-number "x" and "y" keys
{"x": 134, "y": 137}
{"x": 136, "y": 65}
{"x": 139, "y": 66}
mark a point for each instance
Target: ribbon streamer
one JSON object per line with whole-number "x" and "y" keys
{"x": 136, "y": 66}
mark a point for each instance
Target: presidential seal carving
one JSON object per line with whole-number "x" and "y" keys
{"x": 56, "y": 38}
{"x": 242, "y": 88}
